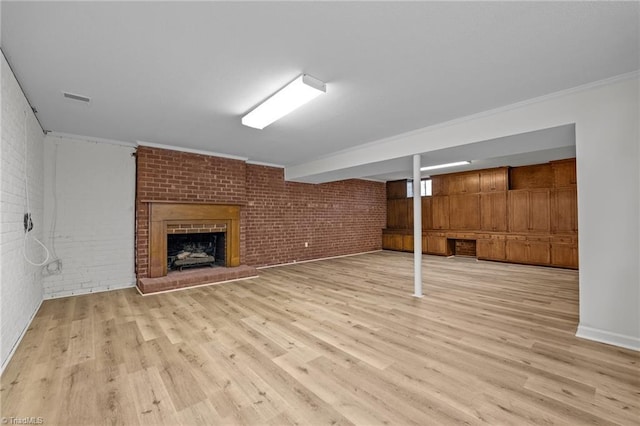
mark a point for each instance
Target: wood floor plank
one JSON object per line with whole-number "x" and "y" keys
{"x": 336, "y": 342}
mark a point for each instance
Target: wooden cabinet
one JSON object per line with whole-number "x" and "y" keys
{"x": 437, "y": 243}
{"x": 523, "y": 249}
{"x": 525, "y": 214}
{"x": 397, "y": 189}
{"x": 491, "y": 247}
{"x": 494, "y": 179}
{"x": 564, "y": 210}
{"x": 564, "y": 251}
{"x": 564, "y": 173}
{"x": 464, "y": 211}
{"x": 400, "y": 213}
{"x": 427, "y": 215}
{"x": 440, "y": 212}
{"x": 530, "y": 177}
{"x": 400, "y": 241}
{"x": 439, "y": 185}
{"x": 407, "y": 243}
{"x": 392, "y": 241}
{"x": 493, "y": 211}
{"x": 529, "y": 211}
{"x": 464, "y": 183}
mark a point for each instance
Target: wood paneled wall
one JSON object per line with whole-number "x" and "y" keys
{"x": 521, "y": 214}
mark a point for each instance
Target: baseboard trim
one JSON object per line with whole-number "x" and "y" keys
{"x": 84, "y": 291}
{"x": 17, "y": 343}
{"x": 295, "y": 262}
{"x": 608, "y": 337}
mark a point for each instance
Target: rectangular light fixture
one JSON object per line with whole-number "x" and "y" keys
{"x": 290, "y": 97}
{"x": 444, "y": 166}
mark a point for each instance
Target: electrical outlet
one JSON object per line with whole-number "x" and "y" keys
{"x": 306, "y": 244}
{"x": 28, "y": 223}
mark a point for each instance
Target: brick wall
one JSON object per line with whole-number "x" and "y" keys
{"x": 277, "y": 217}
{"x": 332, "y": 219}
{"x": 165, "y": 175}
{"x": 20, "y": 282}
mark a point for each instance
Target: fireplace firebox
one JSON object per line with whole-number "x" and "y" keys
{"x": 195, "y": 250}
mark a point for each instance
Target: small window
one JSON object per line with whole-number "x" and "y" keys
{"x": 425, "y": 188}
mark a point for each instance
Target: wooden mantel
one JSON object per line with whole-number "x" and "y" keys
{"x": 163, "y": 214}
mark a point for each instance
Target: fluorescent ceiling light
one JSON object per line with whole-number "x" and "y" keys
{"x": 292, "y": 96}
{"x": 443, "y": 166}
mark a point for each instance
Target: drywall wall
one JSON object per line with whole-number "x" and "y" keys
{"x": 89, "y": 216}
{"x": 20, "y": 282}
{"x": 606, "y": 117}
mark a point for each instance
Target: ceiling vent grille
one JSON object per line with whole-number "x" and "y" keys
{"x": 75, "y": 97}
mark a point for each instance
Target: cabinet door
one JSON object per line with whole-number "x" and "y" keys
{"x": 493, "y": 211}
{"x": 455, "y": 184}
{"x": 400, "y": 213}
{"x": 396, "y": 209}
{"x": 565, "y": 255}
{"x": 539, "y": 211}
{"x": 517, "y": 251}
{"x": 529, "y": 211}
{"x": 493, "y": 180}
{"x": 539, "y": 252}
{"x": 565, "y": 210}
{"x": 407, "y": 243}
{"x": 464, "y": 211}
{"x": 437, "y": 244}
{"x": 440, "y": 209}
{"x": 439, "y": 185}
{"x": 498, "y": 250}
{"x": 392, "y": 241}
{"x": 519, "y": 211}
{"x": 564, "y": 173}
{"x": 425, "y": 244}
{"x": 483, "y": 249}
{"x": 427, "y": 215}
{"x": 467, "y": 183}
{"x": 397, "y": 189}
{"x": 408, "y": 224}
{"x": 471, "y": 183}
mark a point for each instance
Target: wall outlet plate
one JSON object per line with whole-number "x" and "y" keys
{"x": 28, "y": 223}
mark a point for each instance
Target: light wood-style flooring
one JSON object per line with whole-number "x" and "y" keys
{"x": 330, "y": 342}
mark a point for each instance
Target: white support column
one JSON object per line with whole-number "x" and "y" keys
{"x": 417, "y": 228}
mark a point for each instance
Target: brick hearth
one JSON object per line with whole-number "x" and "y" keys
{"x": 174, "y": 280}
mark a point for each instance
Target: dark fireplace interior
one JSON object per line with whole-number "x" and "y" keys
{"x": 195, "y": 250}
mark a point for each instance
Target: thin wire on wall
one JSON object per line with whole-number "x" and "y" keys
{"x": 27, "y": 232}
{"x": 55, "y": 265}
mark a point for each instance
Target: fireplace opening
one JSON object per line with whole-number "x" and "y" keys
{"x": 205, "y": 249}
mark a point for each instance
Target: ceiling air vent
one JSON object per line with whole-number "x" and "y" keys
{"x": 75, "y": 97}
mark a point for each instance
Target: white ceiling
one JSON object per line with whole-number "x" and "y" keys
{"x": 183, "y": 74}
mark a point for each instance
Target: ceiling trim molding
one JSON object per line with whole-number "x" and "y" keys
{"x": 261, "y": 163}
{"x": 81, "y": 138}
{"x": 370, "y": 179}
{"x": 487, "y": 113}
{"x": 191, "y": 150}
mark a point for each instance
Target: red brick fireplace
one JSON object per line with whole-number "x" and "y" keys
{"x": 165, "y": 218}
{"x": 268, "y": 221}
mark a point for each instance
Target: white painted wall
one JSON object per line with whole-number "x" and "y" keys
{"x": 89, "y": 194}
{"x": 20, "y": 283}
{"x": 606, "y": 116}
